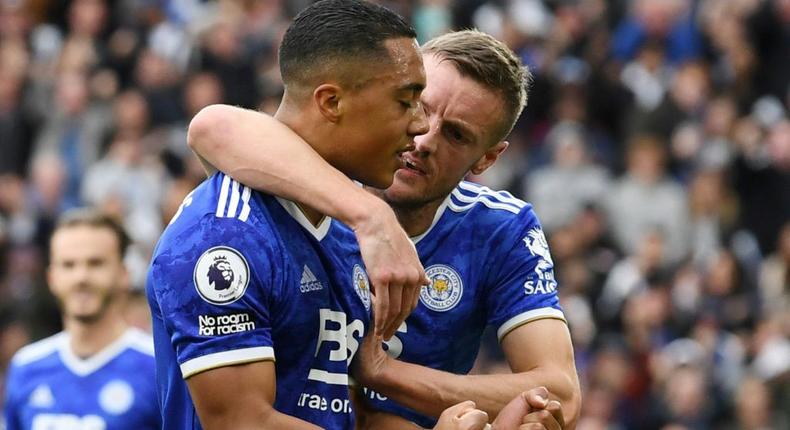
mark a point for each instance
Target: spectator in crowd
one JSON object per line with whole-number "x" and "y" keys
{"x": 646, "y": 198}
{"x": 562, "y": 189}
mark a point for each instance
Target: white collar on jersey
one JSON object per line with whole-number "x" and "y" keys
{"x": 319, "y": 232}
{"x": 86, "y": 366}
{"x": 436, "y": 217}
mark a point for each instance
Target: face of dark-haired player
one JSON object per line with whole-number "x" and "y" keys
{"x": 464, "y": 118}
{"x": 381, "y": 118}
{"x": 86, "y": 272}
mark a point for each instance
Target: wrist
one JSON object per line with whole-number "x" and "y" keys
{"x": 381, "y": 380}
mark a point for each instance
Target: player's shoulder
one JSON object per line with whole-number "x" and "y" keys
{"x": 218, "y": 197}
{"x": 480, "y": 204}
{"x": 38, "y": 351}
{"x": 219, "y": 208}
{"x": 138, "y": 341}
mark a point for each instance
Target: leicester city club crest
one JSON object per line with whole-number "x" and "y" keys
{"x": 362, "y": 285}
{"x": 445, "y": 290}
{"x": 221, "y": 275}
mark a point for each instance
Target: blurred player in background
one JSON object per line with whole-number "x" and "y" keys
{"x": 484, "y": 251}
{"x": 241, "y": 278}
{"x": 99, "y": 372}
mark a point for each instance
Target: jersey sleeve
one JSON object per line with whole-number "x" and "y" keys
{"x": 215, "y": 287}
{"x": 10, "y": 420}
{"x": 523, "y": 287}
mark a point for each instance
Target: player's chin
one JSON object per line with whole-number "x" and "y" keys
{"x": 86, "y": 313}
{"x": 381, "y": 180}
{"x": 403, "y": 193}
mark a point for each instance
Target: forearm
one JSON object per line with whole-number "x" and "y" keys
{"x": 430, "y": 391}
{"x": 260, "y": 152}
{"x": 240, "y": 397}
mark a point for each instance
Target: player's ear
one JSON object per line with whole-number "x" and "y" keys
{"x": 489, "y": 157}
{"x": 327, "y": 98}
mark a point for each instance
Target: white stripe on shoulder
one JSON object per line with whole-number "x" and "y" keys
{"x": 493, "y": 198}
{"x": 225, "y": 358}
{"x": 223, "y": 196}
{"x": 526, "y": 317}
{"x": 245, "y": 204}
{"x": 234, "y": 199}
{"x": 502, "y": 196}
{"x": 499, "y": 196}
{"x": 140, "y": 341}
{"x": 230, "y": 195}
{"x": 38, "y": 350}
{"x": 467, "y": 203}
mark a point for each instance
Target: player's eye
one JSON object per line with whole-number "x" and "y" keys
{"x": 407, "y": 104}
{"x": 455, "y": 135}
{"x": 96, "y": 262}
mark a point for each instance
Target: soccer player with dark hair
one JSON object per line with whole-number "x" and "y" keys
{"x": 98, "y": 373}
{"x": 240, "y": 279}
{"x": 484, "y": 251}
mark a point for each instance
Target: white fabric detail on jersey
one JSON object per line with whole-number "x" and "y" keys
{"x": 526, "y": 317}
{"x": 230, "y": 194}
{"x": 482, "y": 196}
{"x": 469, "y": 202}
{"x": 38, "y": 350}
{"x": 141, "y": 341}
{"x": 83, "y": 367}
{"x": 234, "y": 199}
{"x": 328, "y": 377}
{"x": 226, "y": 358}
{"x": 501, "y": 196}
{"x": 223, "y": 196}
{"x": 296, "y": 213}
{"x": 436, "y": 217}
{"x": 245, "y": 204}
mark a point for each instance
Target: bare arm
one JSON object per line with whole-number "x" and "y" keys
{"x": 240, "y": 397}
{"x": 430, "y": 391}
{"x": 259, "y": 151}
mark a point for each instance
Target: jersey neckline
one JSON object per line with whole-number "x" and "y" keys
{"x": 319, "y": 232}
{"x": 438, "y": 215}
{"x": 86, "y": 366}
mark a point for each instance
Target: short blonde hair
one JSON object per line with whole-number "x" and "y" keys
{"x": 486, "y": 60}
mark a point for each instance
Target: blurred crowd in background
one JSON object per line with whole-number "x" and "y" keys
{"x": 655, "y": 149}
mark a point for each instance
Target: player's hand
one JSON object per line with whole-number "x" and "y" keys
{"x": 370, "y": 361}
{"x": 393, "y": 266}
{"x": 462, "y": 416}
{"x": 531, "y": 410}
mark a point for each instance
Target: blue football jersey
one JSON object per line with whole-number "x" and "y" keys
{"x": 49, "y": 388}
{"x": 240, "y": 276}
{"x": 489, "y": 265}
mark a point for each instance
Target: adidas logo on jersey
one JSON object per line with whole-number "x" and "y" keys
{"x": 309, "y": 281}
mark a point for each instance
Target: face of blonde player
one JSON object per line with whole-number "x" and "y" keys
{"x": 463, "y": 117}
{"x": 86, "y": 273}
{"x": 382, "y": 118}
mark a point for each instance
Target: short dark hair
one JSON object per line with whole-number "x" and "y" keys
{"x": 337, "y": 29}
{"x": 94, "y": 218}
{"x": 490, "y": 62}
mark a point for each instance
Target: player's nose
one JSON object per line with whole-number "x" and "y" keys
{"x": 425, "y": 144}
{"x": 419, "y": 123}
